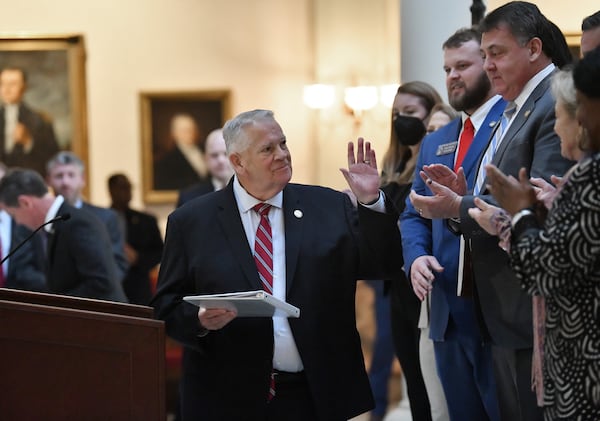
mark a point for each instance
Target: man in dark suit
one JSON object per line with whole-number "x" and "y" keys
{"x": 182, "y": 164}
{"x": 463, "y": 354}
{"x": 26, "y": 136}
{"x": 25, "y": 268}
{"x": 518, "y": 48}
{"x": 79, "y": 253}
{"x": 65, "y": 174}
{"x": 217, "y": 165}
{"x": 143, "y": 245}
{"x": 320, "y": 247}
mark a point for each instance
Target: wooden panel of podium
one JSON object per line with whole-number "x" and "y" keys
{"x": 65, "y": 358}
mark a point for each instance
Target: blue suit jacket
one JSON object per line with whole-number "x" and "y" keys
{"x": 421, "y": 237}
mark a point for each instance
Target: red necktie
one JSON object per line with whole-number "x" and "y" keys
{"x": 466, "y": 138}
{"x": 263, "y": 257}
{"x": 263, "y": 247}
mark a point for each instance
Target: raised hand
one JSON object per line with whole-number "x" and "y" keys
{"x": 362, "y": 175}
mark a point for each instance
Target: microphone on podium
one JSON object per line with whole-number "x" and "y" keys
{"x": 64, "y": 217}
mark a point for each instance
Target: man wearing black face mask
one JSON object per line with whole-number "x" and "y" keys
{"x": 432, "y": 251}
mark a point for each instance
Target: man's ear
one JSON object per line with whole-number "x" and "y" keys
{"x": 24, "y": 201}
{"x": 535, "y": 48}
{"x": 236, "y": 162}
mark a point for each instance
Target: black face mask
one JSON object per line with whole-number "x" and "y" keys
{"x": 410, "y": 130}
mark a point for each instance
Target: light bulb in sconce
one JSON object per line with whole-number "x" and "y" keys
{"x": 360, "y": 98}
{"x": 319, "y": 96}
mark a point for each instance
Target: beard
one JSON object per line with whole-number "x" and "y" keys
{"x": 474, "y": 97}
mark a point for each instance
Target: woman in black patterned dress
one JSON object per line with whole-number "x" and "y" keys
{"x": 559, "y": 259}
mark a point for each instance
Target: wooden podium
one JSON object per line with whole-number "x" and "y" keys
{"x": 66, "y": 358}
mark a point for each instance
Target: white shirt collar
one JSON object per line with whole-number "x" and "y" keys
{"x": 246, "y": 201}
{"x": 52, "y": 211}
{"x": 531, "y": 85}
{"x": 481, "y": 113}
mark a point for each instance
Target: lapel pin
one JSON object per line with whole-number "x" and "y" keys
{"x": 527, "y": 113}
{"x": 298, "y": 213}
{"x": 493, "y": 123}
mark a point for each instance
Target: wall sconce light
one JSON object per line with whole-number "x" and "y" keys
{"x": 357, "y": 99}
{"x": 360, "y": 98}
{"x": 319, "y": 96}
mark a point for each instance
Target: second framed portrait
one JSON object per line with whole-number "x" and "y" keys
{"x": 174, "y": 128}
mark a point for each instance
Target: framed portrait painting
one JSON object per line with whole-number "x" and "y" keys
{"x": 43, "y": 98}
{"x": 174, "y": 128}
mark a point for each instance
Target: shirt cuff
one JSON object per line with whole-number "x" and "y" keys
{"x": 378, "y": 206}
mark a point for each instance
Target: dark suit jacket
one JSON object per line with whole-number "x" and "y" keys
{"x": 26, "y": 269}
{"x": 144, "y": 236}
{"x": 115, "y": 234}
{"x": 80, "y": 259}
{"x": 226, "y": 373}
{"x": 204, "y": 187}
{"x": 530, "y": 142}
{"x": 432, "y": 237}
{"x": 44, "y": 141}
{"x": 173, "y": 171}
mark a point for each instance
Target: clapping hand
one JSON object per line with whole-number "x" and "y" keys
{"x": 511, "y": 194}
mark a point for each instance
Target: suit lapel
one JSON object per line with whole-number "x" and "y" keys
{"x": 521, "y": 118}
{"x": 293, "y": 213}
{"x": 229, "y": 218}
{"x": 51, "y": 238}
{"x": 448, "y": 158}
{"x": 481, "y": 141}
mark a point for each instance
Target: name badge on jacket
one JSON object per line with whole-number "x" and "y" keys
{"x": 446, "y": 148}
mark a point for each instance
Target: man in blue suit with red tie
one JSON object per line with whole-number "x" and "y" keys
{"x": 432, "y": 251}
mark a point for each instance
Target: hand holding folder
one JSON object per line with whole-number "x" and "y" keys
{"x": 246, "y": 304}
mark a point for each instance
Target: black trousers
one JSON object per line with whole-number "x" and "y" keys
{"x": 512, "y": 369}
{"x": 292, "y": 400}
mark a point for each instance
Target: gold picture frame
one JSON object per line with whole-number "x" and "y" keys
{"x": 574, "y": 43}
{"x": 165, "y": 169}
{"x": 54, "y": 66}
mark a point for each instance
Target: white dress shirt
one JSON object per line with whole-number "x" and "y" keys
{"x": 285, "y": 354}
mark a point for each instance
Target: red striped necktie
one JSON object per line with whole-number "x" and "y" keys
{"x": 263, "y": 257}
{"x": 263, "y": 247}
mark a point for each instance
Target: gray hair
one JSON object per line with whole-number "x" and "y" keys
{"x": 234, "y": 129}
{"x": 563, "y": 90}
{"x": 64, "y": 158}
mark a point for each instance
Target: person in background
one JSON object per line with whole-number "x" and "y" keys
{"x": 25, "y": 268}
{"x": 555, "y": 255}
{"x": 79, "y": 253}
{"x": 182, "y": 164}
{"x": 26, "y": 136}
{"x": 432, "y": 252}
{"x": 218, "y": 168}
{"x": 411, "y": 112}
{"x": 590, "y": 33}
{"x": 311, "y": 247}
{"x": 441, "y": 114}
{"x": 521, "y": 48}
{"x": 65, "y": 174}
{"x": 143, "y": 245}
